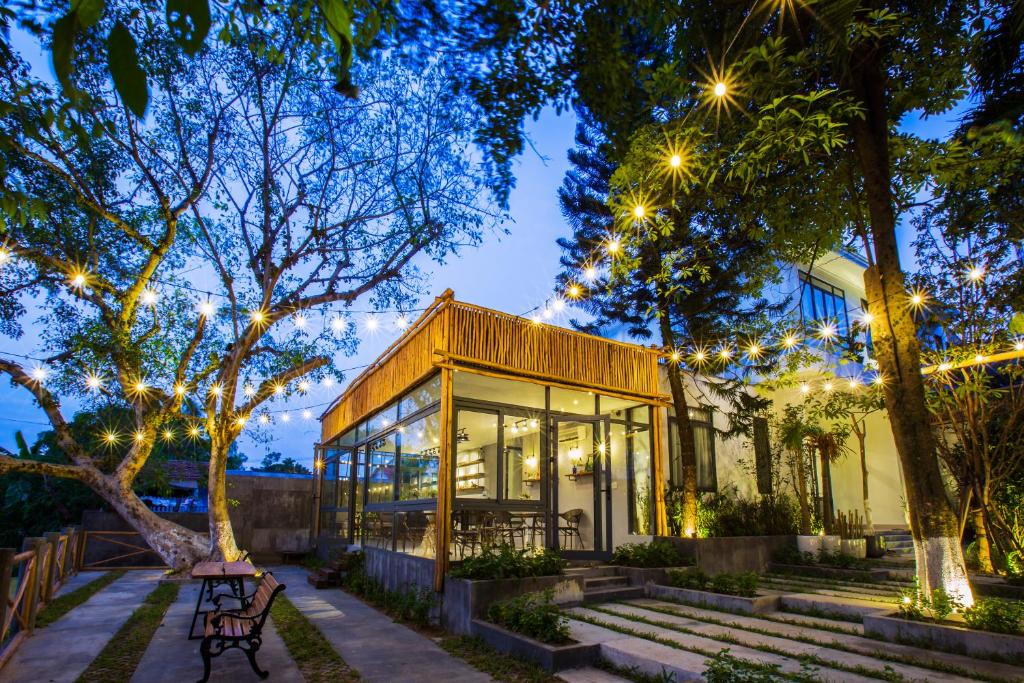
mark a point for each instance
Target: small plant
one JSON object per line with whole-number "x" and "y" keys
{"x": 849, "y": 525}
{"x": 508, "y": 562}
{"x": 916, "y": 605}
{"x": 996, "y": 615}
{"x": 791, "y": 555}
{"x": 693, "y": 579}
{"x": 725, "y": 668}
{"x": 838, "y": 559}
{"x": 657, "y": 553}
{"x": 533, "y": 615}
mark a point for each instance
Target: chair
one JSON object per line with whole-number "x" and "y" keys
{"x": 571, "y": 529}
{"x": 510, "y": 527}
{"x": 466, "y": 531}
{"x": 413, "y": 528}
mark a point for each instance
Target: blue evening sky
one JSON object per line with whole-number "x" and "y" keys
{"x": 513, "y": 273}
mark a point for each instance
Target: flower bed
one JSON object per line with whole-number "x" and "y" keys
{"x": 734, "y": 592}
{"x": 550, "y": 657}
{"x": 945, "y": 636}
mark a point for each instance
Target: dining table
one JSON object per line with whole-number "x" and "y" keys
{"x": 214, "y": 574}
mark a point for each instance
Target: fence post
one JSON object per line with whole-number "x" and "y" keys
{"x": 31, "y": 596}
{"x": 53, "y": 540}
{"x": 80, "y": 542}
{"x": 69, "y": 559}
{"x": 6, "y": 567}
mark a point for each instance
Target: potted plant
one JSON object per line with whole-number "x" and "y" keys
{"x": 851, "y": 534}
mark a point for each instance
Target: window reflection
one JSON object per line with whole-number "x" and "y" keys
{"x": 522, "y": 458}
{"x": 421, "y": 448}
{"x": 381, "y": 476}
{"x": 476, "y": 454}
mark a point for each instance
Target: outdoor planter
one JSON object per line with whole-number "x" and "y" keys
{"x": 854, "y": 547}
{"x": 731, "y": 603}
{"x": 467, "y": 599}
{"x": 830, "y": 543}
{"x": 809, "y": 544}
{"x": 946, "y": 637}
{"x": 550, "y": 657}
{"x": 825, "y": 571}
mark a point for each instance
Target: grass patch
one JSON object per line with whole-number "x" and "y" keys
{"x": 60, "y": 606}
{"x": 314, "y": 656}
{"x": 500, "y": 666}
{"x": 118, "y": 660}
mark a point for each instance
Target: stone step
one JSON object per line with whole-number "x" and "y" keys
{"x": 868, "y": 647}
{"x": 324, "y": 578}
{"x": 640, "y": 655}
{"x": 699, "y": 644}
{"x": 592, "y": 582}
{"x": 592, "y": 572}
{"x": 834, "y": 606}
{"x": 590, "y": 675}
{"x": 612, "y": 593}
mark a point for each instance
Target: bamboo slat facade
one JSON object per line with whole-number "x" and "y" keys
{"x": 455, "y": 334}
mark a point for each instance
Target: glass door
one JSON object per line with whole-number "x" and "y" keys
{"x": 580, "y": 489}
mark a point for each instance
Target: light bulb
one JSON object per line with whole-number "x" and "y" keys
{"x": 78, "y": 280}
{"x": 879, "y": 379}
{"x": 299, "y": 320}
{"x": 278, "y": 389}
{"x": 264, "y": 419}
{"x": 110, "y": 437}
{"x": 720, "y": 89}
{"x": 675, "y": 357}
{"x": 573, "y": 292}
{"x": 285, "y": 417}
{"x": 141, "y": 387}
{"x": 337, "y": 324}
{"x": 328, "y": 382}
{"x": 547, "y": 313}
{"x": 725, "y": 354}
{"x": 675, "y": 161}
{"x": 257, "y": 317}
{"x": 168, "y": 435}
{"x": 149, "y": 297}
{"x": 827, "y": 331}
{"x": 179, "y": 389}
{"x": 401, "y": 322}
{"x": 854, "y": 383}
{"x": 805, "y": 388}
{"x": 1018, "y": 346}
{"x": 754, "y": 351}
{"x": 789, "y": 341}
{"x": 979, "y": 358}
{"x": 215, "y": 390}
{"x": 93, "y": 382}
{"x": 639, "y": 211}
{"x": 699, "y": 356}
{"x": 193, "y": 431}
{"x": 827, "y": 387}
{"x": 240, "y": 421}
{"x": 307, "y": 414}
{"x": 535, "y": 319}
{"x": 372, "y": 323}
{"x": 249, "y": 390}
{"x": 534, "y": 423}
{"x": 590, "y": 273}
{"x": 206, "y": 309}
{"x": 140, "y": 436}
{"x": 945, "y": 367}
{"x": 558, "y": 304}
{"x": 304, "y": 386}
{"x": 613, "y": 246}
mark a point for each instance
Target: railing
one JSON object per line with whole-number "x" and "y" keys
{"x": 132, "y": 551}
{"x": 29, "y": 580}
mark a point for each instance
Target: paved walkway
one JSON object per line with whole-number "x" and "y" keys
{"x": 60, "y": 652}
{"x": 172, "y": 658}
{"x": 369, "y": 641}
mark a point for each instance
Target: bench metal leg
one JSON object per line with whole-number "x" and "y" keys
{"x": 250, "y": 652}
{"x": 204, "y": 650}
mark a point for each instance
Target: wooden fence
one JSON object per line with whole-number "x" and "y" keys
{"x": 29, "y": 580}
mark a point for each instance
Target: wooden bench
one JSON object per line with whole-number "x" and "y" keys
{"x": 241, "y": 628}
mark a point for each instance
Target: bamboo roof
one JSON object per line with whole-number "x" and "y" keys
{"x": 456, "y": 334}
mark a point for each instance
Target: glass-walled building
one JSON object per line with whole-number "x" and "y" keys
{"x": 478, "y": 428}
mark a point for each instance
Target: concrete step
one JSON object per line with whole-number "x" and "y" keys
{"x": 590, "y": 675}
{"x": 612, "y": 593}
{"x": 592, "y": 572}
{"x": 916, "y": 668}
{"x": 592, "y": 582}
{"x": 833, "y": 606}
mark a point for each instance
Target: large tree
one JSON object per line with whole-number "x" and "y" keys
{"x": 196, "y": 253}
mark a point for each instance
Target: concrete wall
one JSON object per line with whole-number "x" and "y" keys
{"x": 732, "y": 554}
{"x": 399, "y": 571}
{"x": 272, "y": 514}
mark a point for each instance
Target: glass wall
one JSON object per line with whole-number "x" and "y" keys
{"x": 380, "y": 478}
{"x": 702, "y": 421}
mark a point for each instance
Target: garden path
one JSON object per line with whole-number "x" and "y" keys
{"x": 60, "y": 652}
{"x": 369, "y": 641}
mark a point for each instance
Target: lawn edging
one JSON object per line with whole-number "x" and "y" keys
{"x": 551, "y": 658}
{"x": 946, "y": 637}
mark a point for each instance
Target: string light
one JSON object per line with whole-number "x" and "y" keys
{"x": 140, "y": 436}
{"x": 945, "y": 367}
{"x": 789, "y": 341}
{"x": 675, "y": 357}
{"x": 866, "y": 319}
{"x": 304, "y": 386}
{"x": 535, "y": 319}
{"x": 827, "y": 331}
{"x": 639, "y": 211}
{"x": 854, "y": 383}
{"x": 299, "y": 320}
{"x": 754, "y": 350}
{"x": 93, "y": 382}
{"x": 278, "y": 389}
{"x": 110, "y": 437}
{"x": 918, "y": 298}
{"x": 264, "y": 419}
{"x": 590, "y": 273}
{"x": 573, "y": 291}
{"x": 337, "y": 324}
{"x": 402, "y": 322}
{"x": 879, "y": 379}
{"x": 39, "y": 374}
{"x": 827, "y": 387}
{"x": 1018, "y": 345}
{"x": 257, "y": 317}
{"x": 206, "y": 309}
{"x": 240, "y": 421}
{"x": 328, "y": 382}
{"x": 372, "y": 323}
{"x": 725, "y": 353}
{"x": 285, "y": 417}
{"x": 5, "y": 256}
{"x": 249, "y": 390}
{"x": 168, "y": 435}
{"x": 700, "y": 356}
{"x": 547, "y": 314}
{"x": 77, "y": 279}
{"x": 612, "y": 246}
{"x": 675, "y": 161}
{"x": 720, "y": 89}
{"x": 979, "y": 358}
{"x": 149, "y": 297}
{"x": 193, "y": 432}
{"x": 805, "y": 388}
{"x": 558, "y": 304}
{"x": 215, "y": 390}
{"x": 307, "y": 414}
{"x": 179, "y": 389}
{"x": 975, "y": 273}
{"x": 140, "y": 387}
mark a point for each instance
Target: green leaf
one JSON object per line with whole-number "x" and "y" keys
{"x": 189, "y": 21}
{"x": 88, "y": 11}
{"x": 338, "y": 17}
{"x": 129, "y": 78}
{"x": 63, "y": 47}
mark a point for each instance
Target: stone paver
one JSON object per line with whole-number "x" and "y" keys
{"x": 865, "y": 646}
{"x": 60, "y": 652}
{"x": 590, "y": 675}
{"x": 172, "y": 658}
{"x": 78, "y": 580}
{"x": 711, "y": 645}
{"x": 369, "y": 641}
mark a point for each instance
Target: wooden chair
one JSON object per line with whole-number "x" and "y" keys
{"x": 571, "y": 529}
{"x": 241, "y": 628}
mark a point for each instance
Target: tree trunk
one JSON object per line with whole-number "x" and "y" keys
{"x": 801, "y": 482}
{"x": 869, "y": 525}
{"x": 687, "y": 449}
{"x": 222, "y": 534}
{"x": 178, "y": 547}
{"x": 981, "y": 537}
{"x": 933, "y": 523}
{"x": 828, "y": 512}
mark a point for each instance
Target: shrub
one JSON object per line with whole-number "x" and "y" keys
{"x": 743, "y": 584}
{"x": 657, "y": 553}
{"x": 996, "y": 615}
{"x": 533, "y": 615}
{"x": 730, "y": 515}
{"x": 791, "y": 555}
{"x": 508, "y": 562}
{"x": 693, "y": 579}
{"x": 839, "y": 559}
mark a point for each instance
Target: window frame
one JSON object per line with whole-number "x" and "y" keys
{"x": 815, "y": 285}
{"x": 673, "y": 453}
